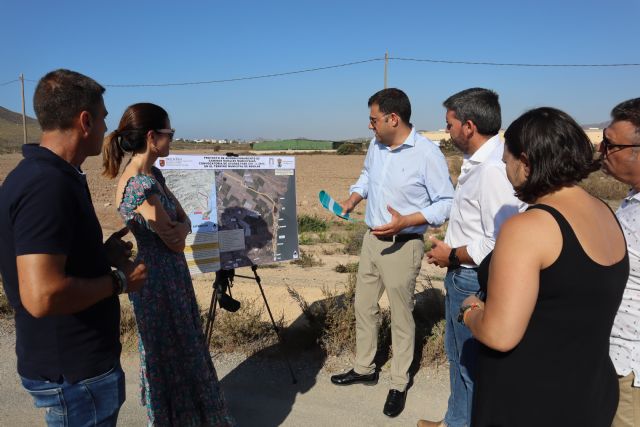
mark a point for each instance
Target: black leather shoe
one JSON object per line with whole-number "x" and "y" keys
{"x": 395, "y": 403}
{"x": 352, "y": 377}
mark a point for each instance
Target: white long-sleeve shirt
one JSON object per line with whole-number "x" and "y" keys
{"x": 483, "y": 200}
{"x": 625, "y": 336}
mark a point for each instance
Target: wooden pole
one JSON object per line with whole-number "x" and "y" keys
{"x": 386, "y": 65}
{"x": 24, "y": 117}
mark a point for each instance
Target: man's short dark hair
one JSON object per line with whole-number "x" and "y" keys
{"x": 62, "y": 95}
{"x": 392, "y": 101}
{"x": 558, "y": 151}
{"x": 478, "y": 105}
{"x": 628, "y": 111}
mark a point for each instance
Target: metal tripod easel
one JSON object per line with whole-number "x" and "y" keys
{"x": 224, "y": 282}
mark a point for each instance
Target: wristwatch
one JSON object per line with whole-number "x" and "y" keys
{"x": 454, "y": 261}
{"x": 119, "y": 281}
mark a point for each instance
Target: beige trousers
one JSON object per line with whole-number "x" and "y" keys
{"x": 391, "y": 267}
{"x": 628, "y": 413}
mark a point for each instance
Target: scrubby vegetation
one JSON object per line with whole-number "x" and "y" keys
{"x": 311, "y": 223}
{"x": 332, "y": 323}
{"x": 348, "y": 148}
{"x": 307, "y": 260}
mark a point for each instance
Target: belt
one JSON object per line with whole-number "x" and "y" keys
{"x": 400, "y": 238}
{"x": 462, "y": 268}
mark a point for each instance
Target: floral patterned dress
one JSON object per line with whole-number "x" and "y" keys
{"x": 179, "y": 385}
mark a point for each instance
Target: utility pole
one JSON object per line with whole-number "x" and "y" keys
{"x": 386, "y": 65}
{"x": 24, "y": 117}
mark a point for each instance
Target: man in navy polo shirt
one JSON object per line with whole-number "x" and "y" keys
{"x": 57, "y": 270}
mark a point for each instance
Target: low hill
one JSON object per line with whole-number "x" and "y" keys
{"x": 11, "y": 130}
{"x": 600, "y": 125}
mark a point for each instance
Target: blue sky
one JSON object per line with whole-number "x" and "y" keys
{"x": 167, "y": 42}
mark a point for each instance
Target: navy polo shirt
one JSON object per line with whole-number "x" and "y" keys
{"x": 46, "y": 208}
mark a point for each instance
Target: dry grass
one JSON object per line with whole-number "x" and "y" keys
{"x": 332, "y": 322}
{"x": 5, "y": 308}
{"x": 604, "y": 187}
{"x": 433, "y": 352}
{"x": 332, "y": 319}
{"x": 351, "y": 267}
{"x": 353, "y": 239}
{"x": 128, "y": 326}
{"x": 243, "y": 331}
{"x": 429, "y": 317}
{"x": 307, "y": 260}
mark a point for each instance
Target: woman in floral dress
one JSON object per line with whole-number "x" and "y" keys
{"x": 179, "y": 386}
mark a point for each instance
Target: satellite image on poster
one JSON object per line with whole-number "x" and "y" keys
{"x": 242, "y": 209}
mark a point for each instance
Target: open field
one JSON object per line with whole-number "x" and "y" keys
{"x": 329, "y": 172}
{"x": 324, "y": 276}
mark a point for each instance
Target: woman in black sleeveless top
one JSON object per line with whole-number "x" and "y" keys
{"x": 553, "y": 284}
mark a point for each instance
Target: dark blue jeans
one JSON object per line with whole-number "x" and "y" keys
{"x": 92, "y": 402}
{"x": 460, "y": 346}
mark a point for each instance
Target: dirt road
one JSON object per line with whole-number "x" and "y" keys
{"x": 259, "y": 392}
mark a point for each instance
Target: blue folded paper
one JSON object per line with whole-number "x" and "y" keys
{"x": 328, "y": 203}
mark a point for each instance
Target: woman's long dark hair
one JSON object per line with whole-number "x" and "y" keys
{"x": 131, "y": 134}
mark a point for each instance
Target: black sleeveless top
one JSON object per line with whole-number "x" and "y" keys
{"x": 560, "y": 374}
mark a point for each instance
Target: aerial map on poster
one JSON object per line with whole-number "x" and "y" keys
{"x": 242, "y": 209}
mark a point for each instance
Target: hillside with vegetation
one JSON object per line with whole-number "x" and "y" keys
{"x": 11, "y": 130}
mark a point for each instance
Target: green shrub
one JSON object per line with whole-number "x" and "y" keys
{"x": 351, "y": 267}
{"x": 305, "y": 240}
{"x": 308, "y": 223}
{"x": 307, "y": 260}
{"x": 347, "y": 148}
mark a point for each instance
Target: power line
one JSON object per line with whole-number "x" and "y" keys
{"x": 348, "y": 64}
{"x": 264, "y": 76}
{"x": 9, "y": 82}
{"x": 507, "y": 64}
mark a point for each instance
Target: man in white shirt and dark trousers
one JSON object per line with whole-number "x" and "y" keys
{"x": 483, "y": 200}
{"x": 620, "y": 148}
{"x": 406, "y": 182}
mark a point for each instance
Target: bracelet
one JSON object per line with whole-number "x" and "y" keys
{"x": 469, "y": 310}
{"x": 119, "y": 282}
{"x": 466, "y": 308}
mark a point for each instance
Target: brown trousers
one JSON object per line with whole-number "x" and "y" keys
{"x": 628, "y": 413}
{"x": 392, "y": 267}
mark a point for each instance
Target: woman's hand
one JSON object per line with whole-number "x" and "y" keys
{"x": 472, "y": 299}
{"x": 174, "y": 234}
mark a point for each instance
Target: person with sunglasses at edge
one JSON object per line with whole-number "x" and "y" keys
{"x": 179, "y": 384}
{"x": 406, "y": 182}
{"x": 620, "y": 155}
{"x": 56, "y": 269}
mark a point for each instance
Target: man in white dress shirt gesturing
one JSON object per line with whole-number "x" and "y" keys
{"x": 483, "y": 200}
